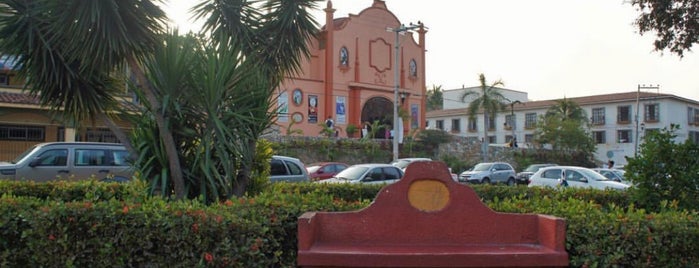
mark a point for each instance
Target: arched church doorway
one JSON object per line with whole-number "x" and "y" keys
{"x": 377, "y": 114}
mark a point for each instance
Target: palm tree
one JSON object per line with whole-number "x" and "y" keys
{"x": 566, "y": 109}
{"x": 69, "y": 53}
{"x": 490, "y": 100}
{"x": 435, "y": 98}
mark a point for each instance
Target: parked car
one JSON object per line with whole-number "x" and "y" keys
{"x": 367, "y": 173}
{"x": 403, "y": 163}
{"x": 496, "y": 172}
{"x": 523, "y": 177}
{"x": 575, "y": 177}
{"x": 289, "y": 169}
{"x": 616, "y": 175}
{"x": 324, "y": 170}
{"x": 70, "y": 161}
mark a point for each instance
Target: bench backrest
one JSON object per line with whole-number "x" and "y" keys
{"x": 427, "y": 206}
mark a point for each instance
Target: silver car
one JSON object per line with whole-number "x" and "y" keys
{"x": 403, "y": 163}
{"x": 289, "y": 169}
{"x": 367, "y": 173}
{"x": 579, "y": 177}
{"x": 70, "y": 161}
{"x": 496, "y": 172}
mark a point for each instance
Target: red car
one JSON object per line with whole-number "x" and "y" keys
{"x": 324, "y": 170}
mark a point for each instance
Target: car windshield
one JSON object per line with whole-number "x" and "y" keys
{"x": 351, "y": 173}
{"x": 619, "y": 172}
{"x": 401, "y": 163}
{"x": 24, "y": 154}
{"x": 312, "y": 169}
{"x": 533, "y": 168}
{"x": 482, "y": 167}
{"x": 593, "y": 175}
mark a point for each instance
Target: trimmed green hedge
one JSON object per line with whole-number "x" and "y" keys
{"x": 110, "y": 229}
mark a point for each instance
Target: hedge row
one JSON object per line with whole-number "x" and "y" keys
{"x": 260, "y": 231}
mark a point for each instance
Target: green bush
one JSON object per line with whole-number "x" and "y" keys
{"x": 665, "y": 170}
{"x": 132, "y": 230}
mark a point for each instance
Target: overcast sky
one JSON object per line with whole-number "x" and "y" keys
{"x": 547, "y": 48}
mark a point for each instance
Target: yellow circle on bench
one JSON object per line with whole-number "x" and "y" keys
{"x": 428, "y": 195}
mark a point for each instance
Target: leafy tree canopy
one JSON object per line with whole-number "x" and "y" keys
{"x": 565, "y": 127}
{"x": 665, "y": 170}
{"x": 675, "y": 22}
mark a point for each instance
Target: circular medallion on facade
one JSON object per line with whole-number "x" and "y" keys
{"x": 297, "y": 97}
{"x": 297, "y": 117}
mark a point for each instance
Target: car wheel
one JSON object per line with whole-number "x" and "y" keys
{"x": 485, "y": 181}
{"x": 511, "y": 182}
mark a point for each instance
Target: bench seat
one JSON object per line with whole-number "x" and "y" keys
{"x": 428, "y": 220}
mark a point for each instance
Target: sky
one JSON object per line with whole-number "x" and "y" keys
{"x": 548, "y": 48}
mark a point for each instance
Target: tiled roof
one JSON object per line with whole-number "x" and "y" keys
{"x": 17, "y": 98}
{"x": 582, "y": 101}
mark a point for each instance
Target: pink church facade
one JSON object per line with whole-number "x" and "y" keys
{"x": 350, "y": 76}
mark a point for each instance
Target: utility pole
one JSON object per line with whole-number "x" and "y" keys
{"x": 638, "y": 107}
{"x": 396, "y": 79}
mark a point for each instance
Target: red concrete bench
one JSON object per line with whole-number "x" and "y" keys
{"x": 428, "y": 220}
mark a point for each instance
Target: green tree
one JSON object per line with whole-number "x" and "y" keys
{"x": 70, "y": 51}
{"x": 566, "y": 128}
{"x": 490, "y": 100}
{"x": 435, "y": 98}
{"x": 665, "y": 170}
{"x": 673, "y": 21}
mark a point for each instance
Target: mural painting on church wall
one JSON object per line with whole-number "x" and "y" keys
{"x": 283, "y": 107}
{"x": 312, "y": 109}
{"x": 340, "y": 110}
{"x": 414, "y": 111}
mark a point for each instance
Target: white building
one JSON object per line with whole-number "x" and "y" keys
{"x": 614, "y": 127}
{"x": 452, "y": 97}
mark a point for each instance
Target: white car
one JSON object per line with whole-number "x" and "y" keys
{"x": 403, "y": 163}
{"x": 574, "y": 176}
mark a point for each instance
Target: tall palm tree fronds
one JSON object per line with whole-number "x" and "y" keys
{"x": 490, "y": 100}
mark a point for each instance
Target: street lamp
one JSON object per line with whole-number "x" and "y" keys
{"x": 512, "y": 118}
{"x": 396, "y": 79}
{"x": 638, "y": 107}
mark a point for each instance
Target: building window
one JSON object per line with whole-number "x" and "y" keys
{"x": 623, "y": 114}
{"x": 599, "y": 137}
{"x": 491, "y": 123}
{"x": 530, "y": 120}
{"x": 623, "y": 136}
{"x": 456, "y": 125}
{"x": 4, "y": 79}
{"x": 598, "y": 116}
{"x": 22, "y": 133}
{"x": 98, "y": 135}
{"x": 694, "y": 136}
{"x": 508, "y": 138}
{"x": 472, "y": 125}
{"x": 651, "y": 112}
{"x": 692, "y": 116}
{"x": 492, "y": 139}
{"x": 440, "y": 124}
{"x": 510, "y": 121}
{"x": 529, "y": 138}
